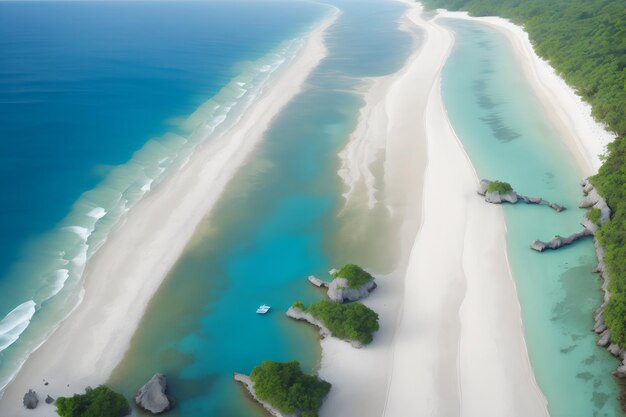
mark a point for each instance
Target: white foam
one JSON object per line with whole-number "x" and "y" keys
{"x": 14, "y": 323}
{"x": 83, "y": 232}
{"x": 242, "y": 92}
{"x": 97, "y": 213}
{"x": 81, "y": 258}
{"x": 61, "y": 275}
{"x": 146, "y": 187}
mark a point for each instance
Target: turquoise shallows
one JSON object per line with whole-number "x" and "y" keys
{"x": 508, "y": 137}
{"x": 93, "y": 96}
{"x": 274, "y": 226}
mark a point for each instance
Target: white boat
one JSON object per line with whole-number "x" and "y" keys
{"x": 263, "y": 309}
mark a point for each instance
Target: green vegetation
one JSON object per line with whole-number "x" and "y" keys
{"x": 610, "y": 182}
{"x": 594, "y": 215}
{"x": 355, "y": 275}
{"x": 585, "y": 41}
{"x": 286, "y": 388}
{"x": 500, "y": 187}
{"x": 96, "y": 402}
{"x": 351, "y": 321}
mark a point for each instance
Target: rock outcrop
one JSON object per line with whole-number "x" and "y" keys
{"x": 153, "y": 396}
{"x": 31, "y": 400}
{"x": 512, "y": 197}
{"x": 249, "y": 385}
{"x": 621, "y": 371}
{"x": 559, "y": 241}
{"x": 317, "y": 282}
{"x": 593, "y": 200}
{"x": 298, "y": 314}
{"x": 340, "y": 292}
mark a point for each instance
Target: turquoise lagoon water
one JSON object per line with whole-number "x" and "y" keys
{"x": 95, "y": 96}
{"x": 276, "y": 224}
{"x": 508, "y": 137}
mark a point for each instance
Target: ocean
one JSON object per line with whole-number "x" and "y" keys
{"x": 99, "y": 101}
{"x": 505, "y": 131}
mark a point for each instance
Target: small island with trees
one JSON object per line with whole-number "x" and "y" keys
{"x": 284, "y": 390}
{"x": 350, "y": 283}
{"x": 352, "y": 322}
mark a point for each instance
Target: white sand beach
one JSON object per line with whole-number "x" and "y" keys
{"x": 452, "y": 340}
{"x": 124, "y": 274}
{"x": 585, "y": 137}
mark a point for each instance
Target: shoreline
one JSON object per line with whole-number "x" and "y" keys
{"x": 584, "y": 137}
{"x": 384, "y": 127}
{"x": 411, "y": 349}
{"x": 128, "y": 269}
{"x": 492, "y": 372}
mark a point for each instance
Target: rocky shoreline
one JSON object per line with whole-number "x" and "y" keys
{"x": 248, "y": 384}
{"x": 298, "y": 314}
{"x": 593, "y": 200}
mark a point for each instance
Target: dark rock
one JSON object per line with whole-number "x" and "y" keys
{"x": 49, "y": 400}
{"x": 152, "y": 396}
{"x": 31, "y": 400}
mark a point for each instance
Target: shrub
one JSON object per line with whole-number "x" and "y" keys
{"x": 97, "y": 402}
{"x": 594, "y": 215}
{"x": 499, "y": 187}
{"x": 288, "y": 389}
{"x": 355, "y": 275}
{"x": 352, "y": 321}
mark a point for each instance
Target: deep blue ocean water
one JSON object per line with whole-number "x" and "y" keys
{"x": 84, "y": 86}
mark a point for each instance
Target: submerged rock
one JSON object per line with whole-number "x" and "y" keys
{"x": 152, "y": 396}
{"x": 31, "y": 400}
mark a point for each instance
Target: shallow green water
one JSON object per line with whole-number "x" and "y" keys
{"x": 276, "y": 224}
{"x": 508, "y": 137}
